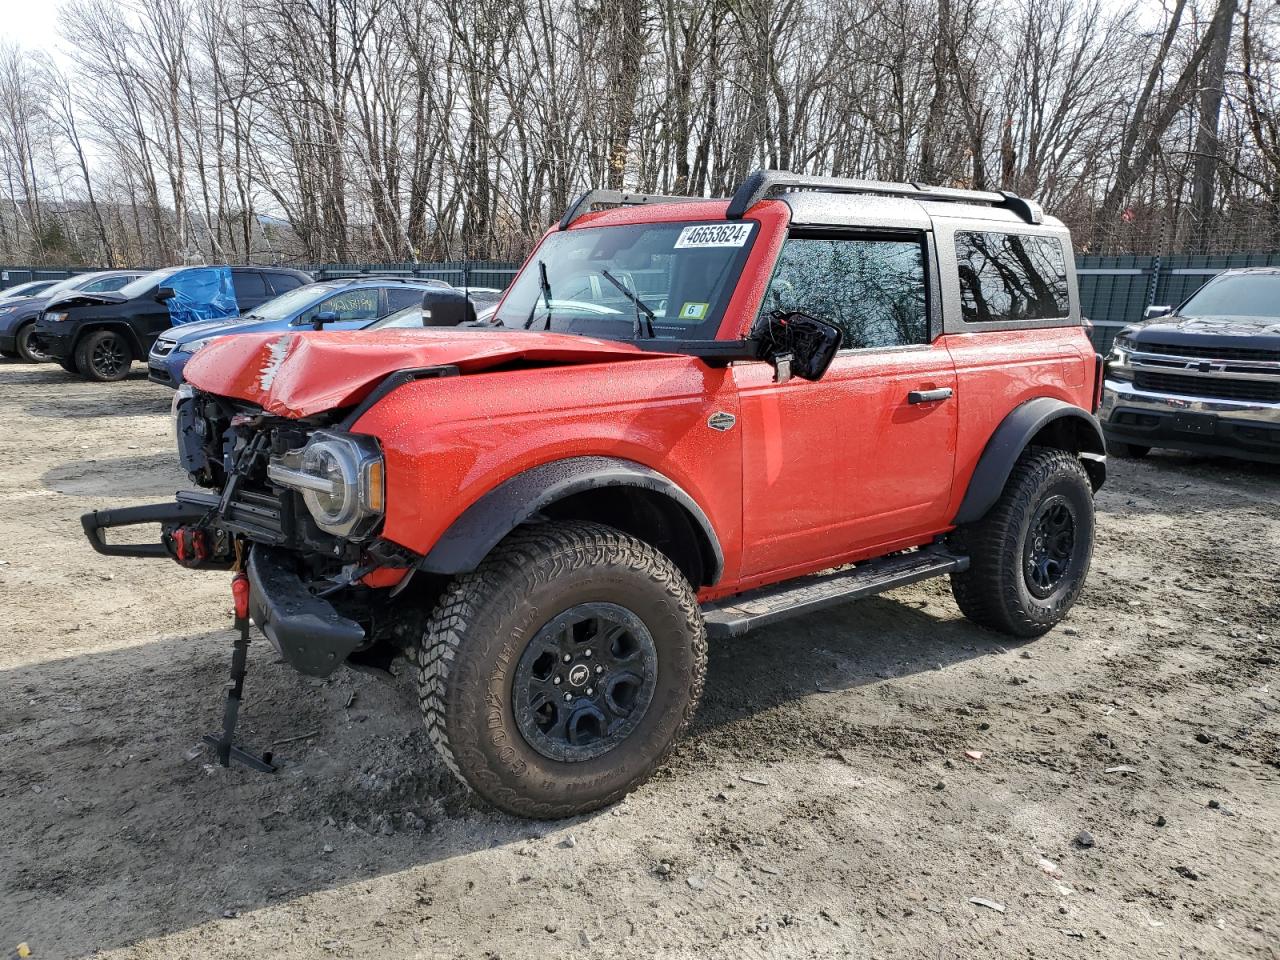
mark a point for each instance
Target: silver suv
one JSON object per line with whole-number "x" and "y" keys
{"x": 1203, "y": 377}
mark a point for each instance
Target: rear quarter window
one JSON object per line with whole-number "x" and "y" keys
{"x": 249, "y": 285}
{"x": 1007, "y": 277}
{"x": 283, "y": 282}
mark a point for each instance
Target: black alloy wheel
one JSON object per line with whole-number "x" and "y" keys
{"x": 585, "y": 681}
{"x": 1049, "y": 546}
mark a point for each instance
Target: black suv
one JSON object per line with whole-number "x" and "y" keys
{"x": 1204, "y": 377}
{"x": 99, "y": 335}
{"x": 18, "y": 317}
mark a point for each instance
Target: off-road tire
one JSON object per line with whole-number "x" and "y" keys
{"x": 23, "y": 343}
{"x": 994, "y": 591}
{"x": 473, "y": 643}
{"x": 1127, "y": 451}
{"x": 94, "y": 353}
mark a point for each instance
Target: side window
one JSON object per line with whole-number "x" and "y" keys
{"x": 400, "y": 297}
{"x": 106, "y": 284}
{"x": 1011, "y": 276}
{"x": 361, "y": 304}
{"x": 248, "y": 284}
{"x": 284, "y": 282}
{"x": 873, "y": 290}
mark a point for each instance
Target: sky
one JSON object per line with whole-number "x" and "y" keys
{"x": 34, "y": 24}
{"x": 30, "y": 23}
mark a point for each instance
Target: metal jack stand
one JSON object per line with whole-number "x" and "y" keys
{"x": 226, "y": 750}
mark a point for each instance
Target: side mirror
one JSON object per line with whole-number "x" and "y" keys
{"x": 446, "y": 308}
{"x": 324, "y": 316}
{"x": 165, "y": 293}
{"x": 1152, "y": 312}
{"x": 799, "y": 345}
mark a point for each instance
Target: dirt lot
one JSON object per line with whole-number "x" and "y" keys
{"x": 822, "y": 806}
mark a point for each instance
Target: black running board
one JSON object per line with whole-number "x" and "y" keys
{"x": 734, "y": 616}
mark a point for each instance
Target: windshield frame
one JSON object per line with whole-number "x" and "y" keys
{"x": 136, "y": 288}
{"x": 1215, "y": 289}
{"x": 595, "y": 319}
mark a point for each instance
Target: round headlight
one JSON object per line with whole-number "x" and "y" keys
{"x": 333, "y": 462}
{"x": 340, "y": 478}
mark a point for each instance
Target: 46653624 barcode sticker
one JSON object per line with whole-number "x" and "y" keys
{"x": 714, "y": 235}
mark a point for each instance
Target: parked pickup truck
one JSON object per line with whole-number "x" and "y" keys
{"x": 1203, "y": 377}
{"x": 687, "y": 420}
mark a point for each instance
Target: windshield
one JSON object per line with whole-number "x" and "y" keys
{"x": 675, "y": 278}
{"x": 26, "y": 289}
{"x": 295, "y": 301}
{"x": 1236, "y": 295}
{"x": 155, "y": 278}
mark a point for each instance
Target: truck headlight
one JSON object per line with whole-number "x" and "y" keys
{"x": 340, "y": 478}
{"x": 1117, "y": 366}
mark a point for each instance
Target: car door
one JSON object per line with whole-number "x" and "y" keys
{"x": 356, "y": 307}
{"x": 398, "y": 298}
{"x": 251, "y": 289}
{"x": 864, "y": 457}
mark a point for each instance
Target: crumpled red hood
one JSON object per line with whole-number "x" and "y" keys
{"x": 305, "y": 373}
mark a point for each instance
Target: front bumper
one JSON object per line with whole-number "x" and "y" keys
{"x": 1233, "y": 428}
{"x": 305, "y": 629}
{"x": 167, "y": 371}
{"x": 56, "y": 344}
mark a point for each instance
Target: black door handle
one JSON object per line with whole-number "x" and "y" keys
{"x": 929, "y": 396}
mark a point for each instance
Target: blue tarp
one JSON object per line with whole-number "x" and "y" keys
{"x": 201, "y": 293}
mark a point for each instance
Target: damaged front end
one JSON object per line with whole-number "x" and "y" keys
{"x": 297, "y": 504}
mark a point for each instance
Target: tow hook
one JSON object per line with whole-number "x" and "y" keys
{"x": 190, "y": 546}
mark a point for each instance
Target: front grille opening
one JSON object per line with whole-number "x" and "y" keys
{"x": 1256, "y": 391}
{"x": 1200, "y": 352}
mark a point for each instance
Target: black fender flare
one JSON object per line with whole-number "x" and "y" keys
{"x": 115, "y": 325}
{"x": 1015, "y": 433}
{"x": 482, "y": 525}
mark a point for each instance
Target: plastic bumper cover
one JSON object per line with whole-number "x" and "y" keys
{"x": 305, "y": 629}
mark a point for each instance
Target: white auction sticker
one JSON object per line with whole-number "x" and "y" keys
{"x": 714, "y": 235}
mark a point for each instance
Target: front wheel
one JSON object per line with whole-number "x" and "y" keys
{"x": 556, "y": 677}
{"x": 105, "y": 356}
{"x": 1029, "y": 556}
{"x": 26, "y": 348}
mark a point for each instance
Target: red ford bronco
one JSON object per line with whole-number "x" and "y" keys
{"x": 688, "y": 419}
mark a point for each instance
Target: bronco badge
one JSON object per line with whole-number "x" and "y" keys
{"x": 721, "y": 421}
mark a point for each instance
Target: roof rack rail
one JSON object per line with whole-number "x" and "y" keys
{"x": 591, "y": 198}
{"x": 762, "y": 183}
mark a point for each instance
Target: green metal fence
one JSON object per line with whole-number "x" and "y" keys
{"x": 1114, "y": 291}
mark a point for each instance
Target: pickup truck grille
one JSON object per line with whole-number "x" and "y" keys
{"x": 1206, "y": 353}
{"x": 1257, "y": 391}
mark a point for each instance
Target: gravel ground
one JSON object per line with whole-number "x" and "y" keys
{"x": 826, "y": 802}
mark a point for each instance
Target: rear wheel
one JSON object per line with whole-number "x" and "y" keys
{"x": 1028, "y": 557}
{"x": 556, "y": 677}
{"x": 28, "y": 350}
{"x": 104, "y": 355}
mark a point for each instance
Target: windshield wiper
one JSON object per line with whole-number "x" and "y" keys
{"x": 545, "y": 286}
{"x": 649, "y": 315}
